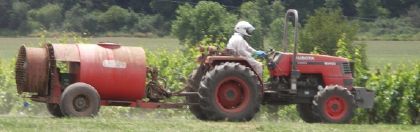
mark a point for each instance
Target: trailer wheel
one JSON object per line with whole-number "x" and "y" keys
{"x": 335, "y": 104}
{"x": 230, "y": 92}
{"x": 80, "y": 100}
{"x": 307, "y": 113}
{"x": 54, "y": 109}
{"x": 192, "y": 86}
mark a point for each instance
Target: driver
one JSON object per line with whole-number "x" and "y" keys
{"x": 240, "y": 47}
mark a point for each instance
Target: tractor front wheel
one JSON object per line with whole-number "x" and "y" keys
{"x": 80, "y": 100}
{"x": 335, "y": 104}
{"x": 230, "y": 92}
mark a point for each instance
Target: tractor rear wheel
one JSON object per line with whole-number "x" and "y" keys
{"x": 308, "y": 113}
{"x": 80, "y": 100}
{"x": 54, "y": 109}
{"x": 230, "y": 92}
{"x": 335, "y": 104}
{"x": 192, "y": 86}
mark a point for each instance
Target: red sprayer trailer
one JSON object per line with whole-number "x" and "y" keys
{"x": 104, "y": 74}
{"x": 222, "y": 87}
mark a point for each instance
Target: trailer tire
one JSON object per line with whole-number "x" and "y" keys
{"x": 54, "y": 109}
{"x": 230, "y": 92}
{"x": 335, "y": 104}
{"x": 193, "y": 83}
{"x": 80, "y": 100}
{"x": 307, "y": 112}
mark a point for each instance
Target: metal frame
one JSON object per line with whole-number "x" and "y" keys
{"x": 294, "y": 72}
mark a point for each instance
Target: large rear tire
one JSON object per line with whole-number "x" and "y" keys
{"x": 80, "y": 100}
{"x": 230, "y": 92}
{"x": 192, "y": 86}
{"x": 335, "y": 104}
{"x": 54, "y": 109}
{"x": 307, "y": 113}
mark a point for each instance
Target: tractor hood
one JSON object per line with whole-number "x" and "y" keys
{"x": 319, "y": 58}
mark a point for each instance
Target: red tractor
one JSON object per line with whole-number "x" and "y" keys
{"x": 321, "y": 86}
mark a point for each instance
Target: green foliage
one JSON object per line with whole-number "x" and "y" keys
{"x": 7, "y": 94}
{"x": 414, "y": 15}
{"x": 219, "y": 42}
{"x": 49, "y": 16}
{"x": 306, "y": 8}
{"x": 370, "y": 9}
{"x": 388, "y": 29}
{"x": 116, "y": 18}
{"x": 323, "y": 30}
{"x": 152, "y": 23}
{"x": 357, "y": 54}
{"x": 79, "y": 20}
{"x": 275, "y": 28}
{"x": 206, "y": 18}
{"x": 397, "y": 99}
{"x": 277, "y": 10}
{"x": 332, "y": 4}
{"x": 154, "y": 18}
{"x": 276, "y": 33}
{"x": 173, "y": 66}
{"x": 264, "y": 10}
{"x": 19, "y": 16}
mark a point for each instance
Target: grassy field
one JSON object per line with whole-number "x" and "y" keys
{"x": 10, "y": 46}
{"x": 25, "y": 123}
{"x": 381, "y": 53}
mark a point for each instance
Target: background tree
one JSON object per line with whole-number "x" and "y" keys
{"x": 306, "y": 8}
{"x": 116, "y": 18}
{"x": 48, "y": 16}
{"x": 332, "y": 4}
{"x": 370, "y": 9}
{"x": 414, "y": 15}
{"x": 275, "y": 30}
{"x": 18, "y": 17}
{"x": 323, "y": 31}
{"x": 349, "y": 7}
{"x": 206, "y": 18}
{"x": 22, "y": 17}
{"x": 75, "y": 18}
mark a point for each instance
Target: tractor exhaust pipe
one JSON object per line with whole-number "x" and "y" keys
{"x": 295, "y": 73}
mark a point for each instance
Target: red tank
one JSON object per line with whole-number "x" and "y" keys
{"x": 116, "y": 72}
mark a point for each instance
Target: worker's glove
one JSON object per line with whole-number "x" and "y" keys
{"x": 260, "y": 54}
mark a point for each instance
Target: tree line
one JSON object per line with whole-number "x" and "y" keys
{"x": 93, "y": 17}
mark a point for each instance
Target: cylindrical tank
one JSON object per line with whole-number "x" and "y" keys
{"x": 116, "y": 72}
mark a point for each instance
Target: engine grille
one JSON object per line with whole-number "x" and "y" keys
{"x": 346, "y": 68}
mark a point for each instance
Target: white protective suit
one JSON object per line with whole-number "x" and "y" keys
{"x": 240, "y": 47}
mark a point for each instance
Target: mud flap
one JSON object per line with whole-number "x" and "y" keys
{"x": 364, "y": 98}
